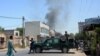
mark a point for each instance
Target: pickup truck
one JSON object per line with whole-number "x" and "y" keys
{"x": 52, "y": 43}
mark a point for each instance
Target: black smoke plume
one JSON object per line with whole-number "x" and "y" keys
{"x": 55, "y": 7}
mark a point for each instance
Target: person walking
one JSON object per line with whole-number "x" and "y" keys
{"x": 31, "y": 46}
{"x": 10, "y": 47}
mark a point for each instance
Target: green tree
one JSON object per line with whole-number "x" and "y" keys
{"x": 20, "y": 30}
{"x": 97, "y": 30}
{"x": 1, "y": 29}
{"x": 79, "y": 36}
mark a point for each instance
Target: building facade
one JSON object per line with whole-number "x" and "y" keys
{"x": 89, "y": 23}
{"x": 15, "y": 34}
{"x": 95, "y": 20}
{"x": 36, "y": 30}
{"x": 81, "y": 26}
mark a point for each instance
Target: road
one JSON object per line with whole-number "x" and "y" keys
{"x": 24, "y": 52}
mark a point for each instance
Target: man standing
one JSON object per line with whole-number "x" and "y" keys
{"x": 66, "y": 35}
{"x": 31, "y": 46}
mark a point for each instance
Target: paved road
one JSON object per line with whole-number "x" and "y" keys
{"x": 24, "y": 52}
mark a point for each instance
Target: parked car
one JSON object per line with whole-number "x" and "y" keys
{"x": 52, "y": 43}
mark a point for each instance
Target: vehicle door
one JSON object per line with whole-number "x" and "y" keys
{"x": 48, "y": 44}
{"x": 55, "y": 43}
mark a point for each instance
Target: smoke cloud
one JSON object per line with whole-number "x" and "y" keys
{"x": 55, "y": 8}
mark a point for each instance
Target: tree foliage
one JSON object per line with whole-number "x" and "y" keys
{"x": 97, "y": 30}
{"x": 1, "y": 29}
{"x": 79, "y": 36}
{"x": 20, "y": 30}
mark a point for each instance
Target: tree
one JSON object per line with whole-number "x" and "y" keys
{"x": 97, "y": 30}
{"x": 1, "y": 29}
{"x": 81, "y": 36}
{"x": 20, "y": 30}
{"x": 77, "y": 36}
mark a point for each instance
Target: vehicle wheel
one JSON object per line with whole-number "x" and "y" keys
{"x": 38, "y": 50}
{"x": 64, "y": 50}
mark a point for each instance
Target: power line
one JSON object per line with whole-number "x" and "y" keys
{"x": 10, "y": 17}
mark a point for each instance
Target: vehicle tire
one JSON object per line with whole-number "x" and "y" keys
{"x": 38, "y": 50}
{"x": 64, "y": 50}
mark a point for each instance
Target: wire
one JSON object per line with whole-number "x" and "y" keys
{"x": 9, "y": 17}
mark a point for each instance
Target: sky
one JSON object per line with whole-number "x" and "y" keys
{"x": 36, "y": 10}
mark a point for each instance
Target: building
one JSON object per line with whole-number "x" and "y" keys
{"x": 36, "y": 30}
{"x": 2, "y": 40}
{"x": 81, "y": 26}
{"x": 89, "y": 24}
{"x": 15, "y": 34}
{"x": 95, "y": 20}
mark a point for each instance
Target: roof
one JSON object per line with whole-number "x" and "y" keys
{"x": 9, "y": 32}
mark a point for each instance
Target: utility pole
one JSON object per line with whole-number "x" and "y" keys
{"x": 23, "y": 36}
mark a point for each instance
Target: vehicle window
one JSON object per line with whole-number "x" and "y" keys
{"x": 49, "y": 41}
{"x": 56, "y": 40}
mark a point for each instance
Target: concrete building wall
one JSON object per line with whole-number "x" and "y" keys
{"x": 81, "y": 26}
{"x": 16, "y": 36}
{"x": 16, "y": 33}
{"x": 36, "y": 30}
{"x": 32, "y": 29}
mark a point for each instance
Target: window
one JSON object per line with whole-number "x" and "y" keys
{"x": 56, "y": 40}
{"x": 44, "y": 30}
{"x": 16, "y": 33}
{"x": 1, "y": 40}
{"x": 49, "y": 41}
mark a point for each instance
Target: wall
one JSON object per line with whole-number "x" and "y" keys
{"x": 4, "y": 44}
{"x": 32, "y": 29}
